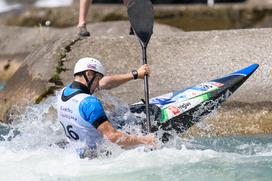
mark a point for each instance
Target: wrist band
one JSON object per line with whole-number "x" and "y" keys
{"x": 135, "y": 74}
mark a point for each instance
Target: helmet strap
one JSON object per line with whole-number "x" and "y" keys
{"x": 89, "y": 82}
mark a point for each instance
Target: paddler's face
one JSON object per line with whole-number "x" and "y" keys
{"x": 95, "y": 84}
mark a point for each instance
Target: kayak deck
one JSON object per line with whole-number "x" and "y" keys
{"x": 181, "y": 109}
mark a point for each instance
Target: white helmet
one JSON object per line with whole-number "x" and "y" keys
{"x": 88, "y": 63}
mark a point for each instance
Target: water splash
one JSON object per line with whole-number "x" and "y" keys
{"x": 53, "y": 3}
{"x": 31, "y": 155}
{"x": 5, "y": 7}
{"x": 35, "y": 126}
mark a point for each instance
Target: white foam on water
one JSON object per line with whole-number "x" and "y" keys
{"x": 136, "y": 164}
{"x": 4, "y": 7}
{"x": 32, "y": 155}
{"x": 53, "y": 3}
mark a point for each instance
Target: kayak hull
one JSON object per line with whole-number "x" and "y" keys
{"x": 181, "y": 109}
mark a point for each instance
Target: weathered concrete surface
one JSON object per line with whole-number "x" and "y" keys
{"x": 39, "y": 74}
{"x": 15, "y": 44}
{"x": 259, "y": 2}
{"x": 235, "y": 118}
{"x": 186, "y": 17}
{"x": 9, "y": 65}
{"x": 23, "y": 40}
{"x": 18, "y": 42}
{"x": 177, "y": 59}
{"x": 185, "y": 59}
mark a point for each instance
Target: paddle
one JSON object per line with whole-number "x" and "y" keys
{"x": 141, "y": 16}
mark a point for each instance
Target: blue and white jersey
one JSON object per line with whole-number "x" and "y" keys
{"x": 80, "y": 114}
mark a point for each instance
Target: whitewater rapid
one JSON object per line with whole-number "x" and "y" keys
{"x": 28, "y": 153}
{"x": 5, "y": 6}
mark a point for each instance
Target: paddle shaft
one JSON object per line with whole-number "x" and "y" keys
{"x": 141, "y": 16}
{"x": 146, "y": 91}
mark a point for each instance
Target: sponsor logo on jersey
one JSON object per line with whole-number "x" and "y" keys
{"x": 66, "y": 109}
{"x": 67, "y": 116}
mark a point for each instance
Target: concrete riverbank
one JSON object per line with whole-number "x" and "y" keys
{"x": 178, "y": 60}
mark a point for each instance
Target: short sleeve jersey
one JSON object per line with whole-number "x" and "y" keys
{"x": 80, "y": 114}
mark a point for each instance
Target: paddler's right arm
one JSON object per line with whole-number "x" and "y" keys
{"x": 112, "y": 81}
{"x": 122, "y": 139}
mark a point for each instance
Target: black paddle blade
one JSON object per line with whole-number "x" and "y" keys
{"x": 141, "y": 17}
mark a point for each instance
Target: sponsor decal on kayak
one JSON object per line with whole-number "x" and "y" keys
{"x": 208, "y": 86}
{"x": 175, "y": 110}
{"x": 162, "y": 101}
{"x": 178, "y": 107}
{"x": 201, "y": 89}
{"x": 167, "y": 99}
{"x": 217, "y": 84}
{"x": 185, "y": 106}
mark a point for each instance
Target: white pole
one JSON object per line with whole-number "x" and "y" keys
{"x": 210, "y": 2}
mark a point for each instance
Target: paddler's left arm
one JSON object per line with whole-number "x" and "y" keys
{"x": 112, "y": 81}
